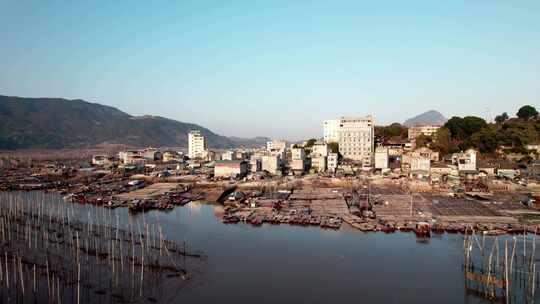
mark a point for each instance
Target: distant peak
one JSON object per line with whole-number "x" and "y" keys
{"x": 431, "y": 117}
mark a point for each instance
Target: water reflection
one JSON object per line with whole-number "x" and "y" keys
{"x": 291, "y": 264}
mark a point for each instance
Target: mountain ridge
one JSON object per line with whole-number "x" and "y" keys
{"x": 64, "y": 123}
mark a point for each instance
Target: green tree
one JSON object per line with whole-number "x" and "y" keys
{"x": 461, "y": 129}
{"x": 486, "y": 140}
{"x": 527, "y": 112}
{"x": 333, "y": 147}
{"x": 443, "y": 142}
{"x": 423, "y": 141}
{"x": 501, "y": 118}
{"x": 311, "y": 142}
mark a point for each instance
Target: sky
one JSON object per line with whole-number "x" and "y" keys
{"x": 275, "y": 68}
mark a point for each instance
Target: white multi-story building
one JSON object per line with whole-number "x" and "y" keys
{"x": 319, "y": 149}
{"x": 331, "y": 130}
{"x": 298, "y": 159}
{"x": 427, "y": 130}
{"x": 332, "y": 162}
{"x": 381, "y": 158}
{"x": 196, "y": 144}
{"x": 279, "y": 145}
{"x": 270, "y": 163}
{"x": 356, "y": 139}
{"x": 466, "y": 161}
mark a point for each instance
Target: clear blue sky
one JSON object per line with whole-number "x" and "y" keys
{"x": 275, "y": 68}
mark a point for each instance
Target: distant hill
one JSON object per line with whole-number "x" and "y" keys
{"x": 428, "y": 118}
{"x": 62, "y": 123}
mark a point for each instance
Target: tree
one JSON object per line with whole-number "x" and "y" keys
{"x": 501, "y": 118}
{"x": 486, "y": 140}
{"x": 333, "y": 147}
{"x": 423, "y": 141}
{"x": 461, "y": 129}
{"x": 311, "y": 142}
{"x": 443, "y": 142}
{"x": 527, "y": 112}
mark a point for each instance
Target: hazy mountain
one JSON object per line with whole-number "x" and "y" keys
{"x": 61, "y": 123}
{"x": 428, "y": 118}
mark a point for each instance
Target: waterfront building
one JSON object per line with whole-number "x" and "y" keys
{"x": 196, "y": 144}
{"x": 356, "y": 139}
{"x": 230, "y": 168}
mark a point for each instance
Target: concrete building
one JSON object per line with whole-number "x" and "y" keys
{"x": 465, "y": 161}
{"x": 271, "y": 164}
{"x": 420, "y": 165}
{"x": 279, "y": 145}
{"x": 427, "y": 130}
{"x": 255, "y": 163}
{"x": 125, "y": 156}
{"x": 196, "y": 144}
{"x": 151, "y": 154}
{"x": 228, "y": 155}
{"x": 427, "y": 153}
{"x": 102, "y": 160}
{"x": 172, "y": 156}
{"x": 381, "y": 158}
{"x": 230, "y": 168}
{"x": 332, "y": 162}
{"x": 331, "y": 130}
{"x": 298, "y": 163}
{"x": 319, "y": 149}
{"x": 319, "y": 163}
{"x": 356, "y": 139}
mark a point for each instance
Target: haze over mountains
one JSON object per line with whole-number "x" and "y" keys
{"x": 431, "y": 117}
{"x": 62, "y": 123}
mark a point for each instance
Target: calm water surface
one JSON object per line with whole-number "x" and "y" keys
{"x": 289, "y": 264}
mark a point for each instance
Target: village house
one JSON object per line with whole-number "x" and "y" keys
{"x": 102, "y": 160}
{"x": 298, "y": 162}
{"x": 230, "y": 168}
{"x": 381, "y": 158}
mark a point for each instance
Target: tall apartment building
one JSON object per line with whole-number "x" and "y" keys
{"x": 331, "y": 130}
{"x": 196, "y": 144}
{"x": 356, "y": 139}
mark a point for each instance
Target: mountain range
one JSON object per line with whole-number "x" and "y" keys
{"x": 431, "y": 117}
{"x": 61, "y": 123}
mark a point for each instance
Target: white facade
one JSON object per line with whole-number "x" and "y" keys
{"x": 319, "y": 149}
{"x": 270, "y": 164}
{"x": 356, "y": 139}
{"x": 280, "y": 145}
{"x": 427, "y": 130}
{"x": 466, "y": 161}
{"x": 331, "y": 130}
{"x": 420, "y": 164}
{"x": 381, "y": 158}
{"x": 228, "y": 155}
{"x": 332, "y": 162}
{"x": 196, "y": 144}
{"x": 319, "y": 163}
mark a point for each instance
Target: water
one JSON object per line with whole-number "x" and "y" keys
{"x": 289, "y": 264}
